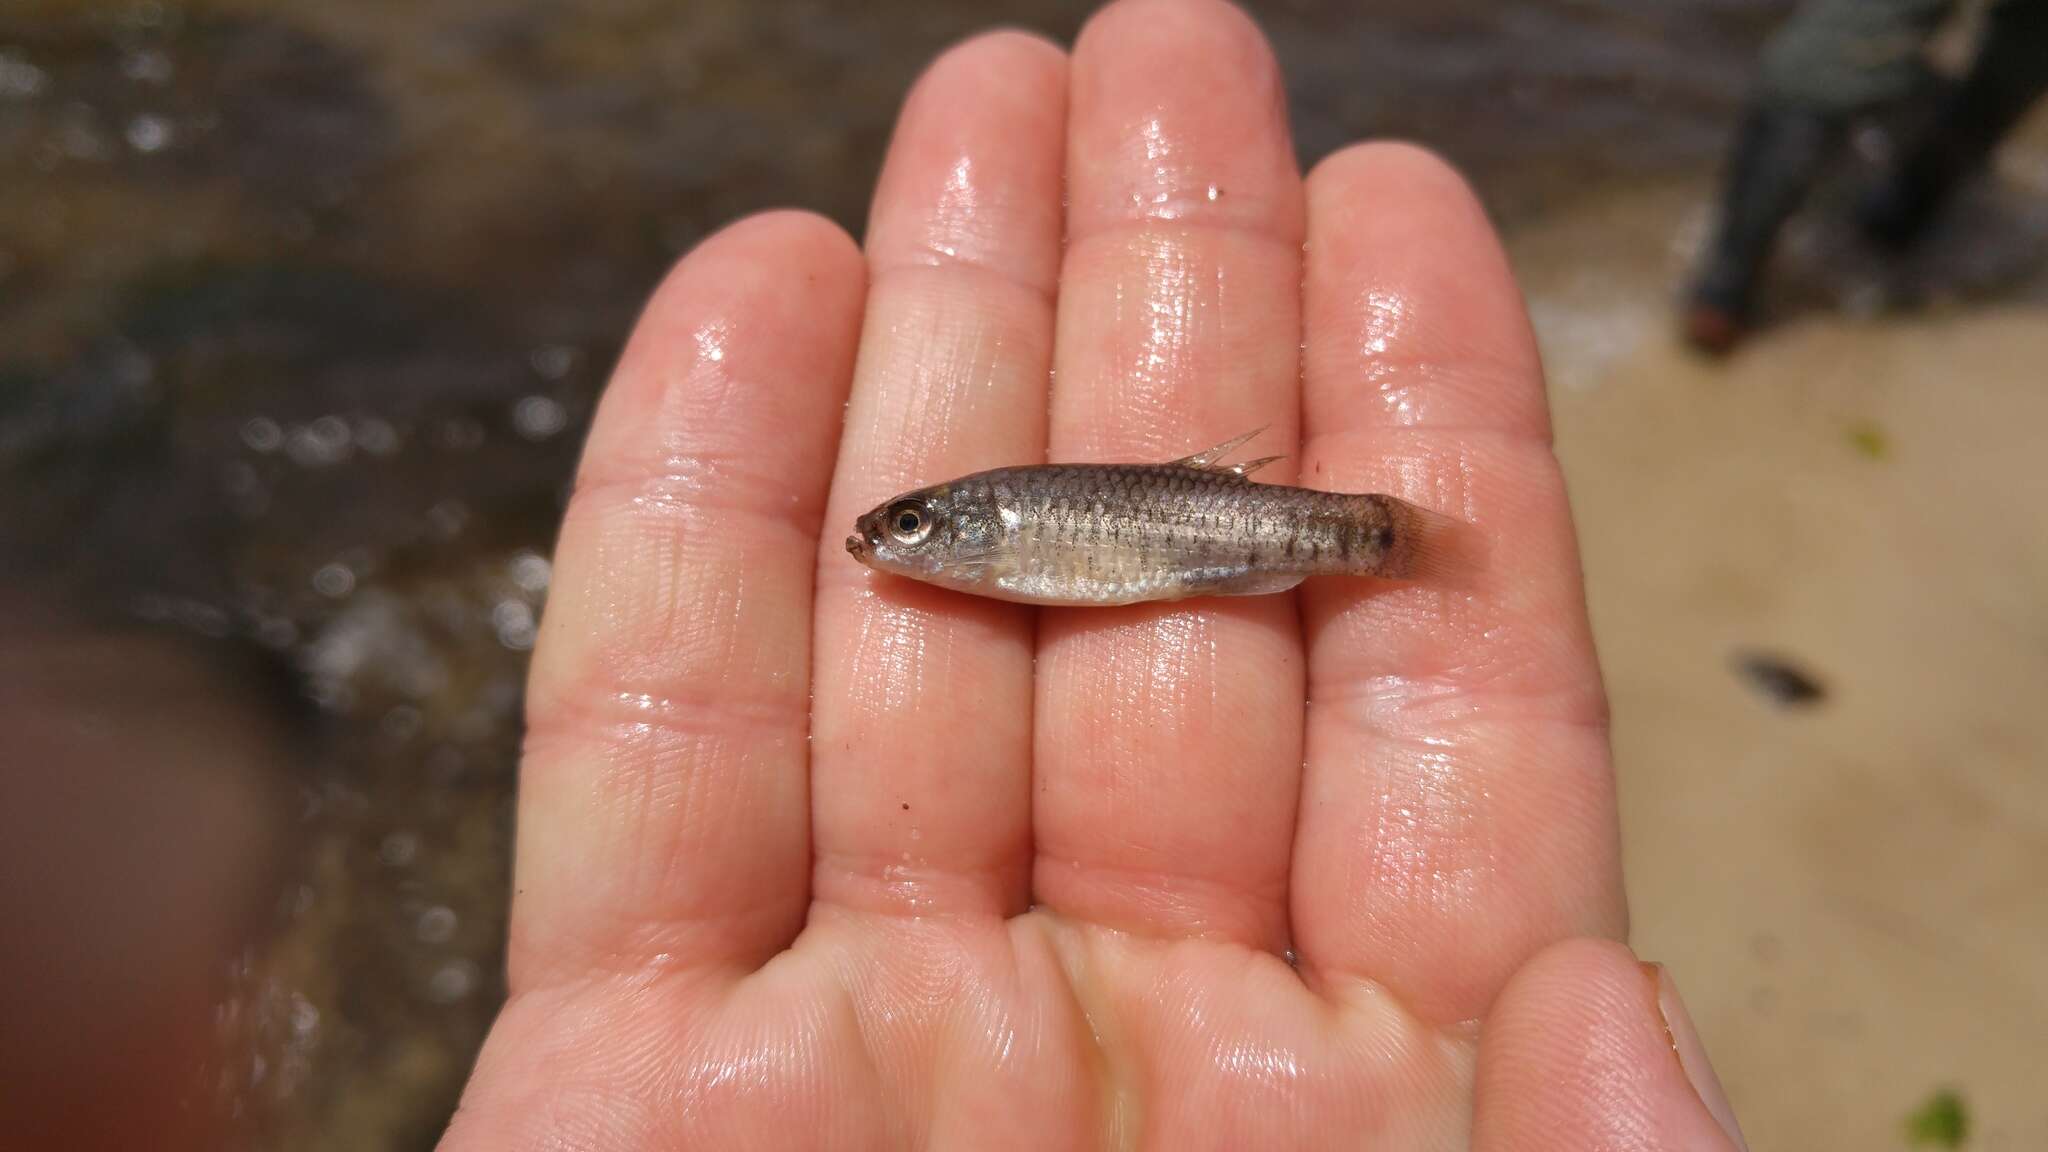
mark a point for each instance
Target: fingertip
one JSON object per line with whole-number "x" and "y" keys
{"x": 1014, "y": 65}
{"x": 1409, "y": 291}
{"x": 973, "y": 172}
{"x": 1003, "y": 46}
{"x": 1579, "y": 1053}
{"x": 1212, "y": 18}
{"x": 776, "y": 238}
{"x": 1401, "y": 167}
{"x": 1372, "y": 177}
{"x": 786, "y": 271}
{"x": 758, "y": 261}
{"x": 1180, "y": 114}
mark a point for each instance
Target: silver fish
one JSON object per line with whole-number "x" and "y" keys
{"x": 1104, "y": 534}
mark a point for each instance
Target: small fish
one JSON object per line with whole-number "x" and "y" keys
{"x": 1103, "y": 534}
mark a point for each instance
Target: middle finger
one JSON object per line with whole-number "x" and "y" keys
{"x": 1168, "y": 737}
{"x": 921, "y": 755}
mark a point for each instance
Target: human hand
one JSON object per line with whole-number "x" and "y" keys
{"x": 813, "y": 858}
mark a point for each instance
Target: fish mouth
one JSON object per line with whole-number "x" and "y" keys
{"x": 856, "y": 545}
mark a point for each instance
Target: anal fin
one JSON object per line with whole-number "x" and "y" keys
{"x": 1238, "y": 582}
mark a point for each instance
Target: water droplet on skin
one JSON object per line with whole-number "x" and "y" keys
{"x": 711, "y": 341}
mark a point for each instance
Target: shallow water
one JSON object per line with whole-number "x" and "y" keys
{"x": 303, "y": 308}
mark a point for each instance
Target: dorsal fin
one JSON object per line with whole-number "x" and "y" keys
{"x": 1249, "y": 466}
{"x": 1207, "y": 458}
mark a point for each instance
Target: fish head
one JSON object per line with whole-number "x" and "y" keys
{"x": 908, "y": 534}
{"x": 931, "y": 534}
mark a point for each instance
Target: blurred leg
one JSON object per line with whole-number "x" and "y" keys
{"x": 1830, "y": 61}
{"x": 2009, "y": 75}
{"x": 1779, "y": 152}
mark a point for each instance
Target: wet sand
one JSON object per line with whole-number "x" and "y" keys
{"x": 1849, "y": 892}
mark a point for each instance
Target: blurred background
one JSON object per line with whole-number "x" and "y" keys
{"x": 303, "y": 309}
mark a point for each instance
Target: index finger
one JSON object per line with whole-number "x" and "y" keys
{"x": 663, "y": 814}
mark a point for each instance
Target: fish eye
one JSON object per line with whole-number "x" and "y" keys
{"x": 909, "y": 523}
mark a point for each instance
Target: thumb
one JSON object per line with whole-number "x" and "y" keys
{"x": 1587, "y": 1049}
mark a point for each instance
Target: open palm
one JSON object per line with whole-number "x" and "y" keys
{"x": 813, "y": 858}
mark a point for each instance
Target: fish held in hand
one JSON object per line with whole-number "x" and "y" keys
{"x": 1105, "y": 534}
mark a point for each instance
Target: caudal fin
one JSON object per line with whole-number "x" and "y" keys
{"x": 1430, "y": 547}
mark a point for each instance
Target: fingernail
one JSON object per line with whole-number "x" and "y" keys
{"x": 1692, "y": 1055}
